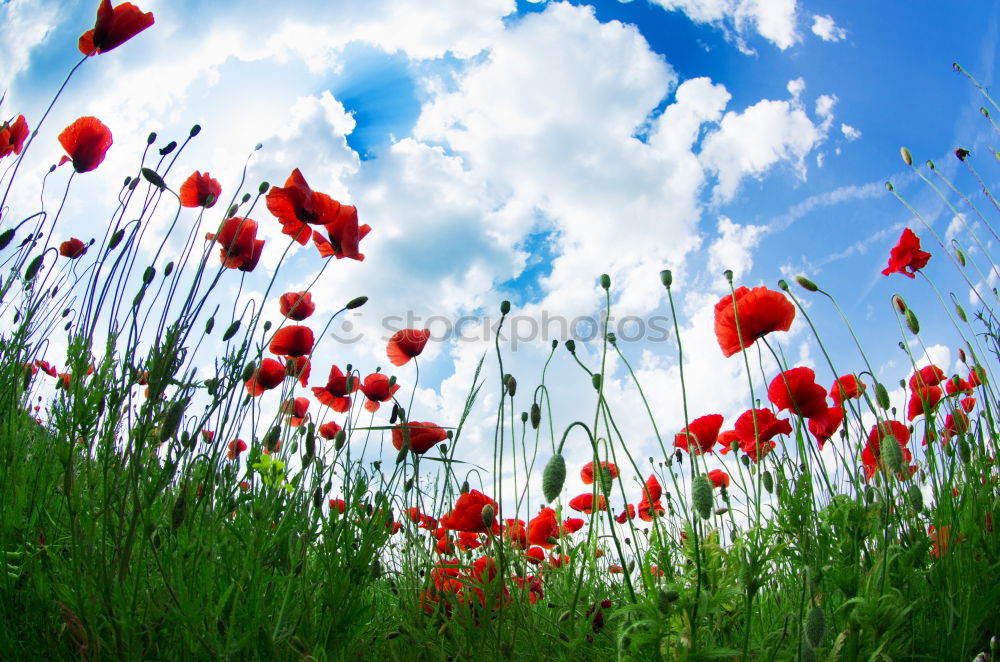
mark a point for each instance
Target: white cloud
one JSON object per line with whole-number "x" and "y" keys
{"x": 24, "y": 24}
{"x": 773, "y": 19}
{"x": 850, "y": 133}
{"x": 826, "y": 28}
{"x": 735, "y": 247}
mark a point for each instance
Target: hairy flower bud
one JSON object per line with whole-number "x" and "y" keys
{"x": 553, "y": 477}
{"x": 907, "y": 158}
{"x": 701, "y": 495}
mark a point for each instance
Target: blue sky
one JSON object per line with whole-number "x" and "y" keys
{"x": 519, "y": 150}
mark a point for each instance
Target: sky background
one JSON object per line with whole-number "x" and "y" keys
{"x": 518, "y": 150}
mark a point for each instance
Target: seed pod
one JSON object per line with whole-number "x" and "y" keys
{"x": 916, "y": 497}
{"x": 535, "y": 415}
{"x": 728, "y": 274}
{"x": 153, "y": 178}
{"x": 911, "y": 322}
{"x": 881, "y": 395}
{"x": 231, "y": 331}
{"x": 606, "y": 281}
{"x": 815, "y": 627}
{"x": 892, "y": 454}
{"x": 553, "y": 477}
{"x": 806, "y": 284}
{"x": 701, "y": 496}
{"x": 768, "y": 480}
{"x": 33, "y": 268}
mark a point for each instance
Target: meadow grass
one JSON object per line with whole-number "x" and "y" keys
{"x": 136, "y": 527}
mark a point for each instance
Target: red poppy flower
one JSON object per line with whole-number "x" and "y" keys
{"x": 825, "y": 425}
{"x": 423, "y": 436}
{"x": 269, "y": 375}
{"x": 887, "y": 429}
{"x": 871, "y": 459}
{"x": 626, "y": 514}
{"x": 236, "y": 446}
{"x": 571, "y": 525}
{"x": 13, "y": 135}
{"x": 86, "y": 142}
{"x": 726, "y": 440}
{"x": 652, "y": 489}
{"x": 587, "y": 473}
{"x": 560, "y": 560}
{"x": 72, "y": 248}
{"x": 406, "y": 344}
{"x": 584, "y": 503}
{"x": 968, "y": 404}
{"x": 907, "y": 255}
{"x": 344, "y": 235}
{"x": 296, "y": 305}
{"x": 768, "y": 426}
{"x": 336, "y": 394}
{"x": 200, "y": 190}
{"x": 240, "y": 247}
{"x": 845, "y": 387}
{"x": 924, "y": 397}
{"x": 337, "y": 505}
{"x": 208, "y": 436}
{"x": 703, "y": 431}
{"x": 719, "y": 478}
{"x": 797, "y": 391}
{"x": 761, "y": 311}
{"x": 467, "y": 515}
{"x": 535, "y": 554}
{"x": 299, "y": 368}
{"x": 296, "y": 410}
{"x": 929, "y": 375}
{"x": 295, "y": 205}
{"x": 468, "y": 542}
{"x": 377, "y": 389}
{"x": 114, "y": 27}
{"x": 515, "y": 531}
{"x": 542, "y": 528}
{"x": 956, "y": 422}
{"x": 329, "y": 430}
{"x": 295, "y": 340}
{"x": 957, "y": 385}
{"x": 47, "y": 368}
{"x": 647, "y": 510}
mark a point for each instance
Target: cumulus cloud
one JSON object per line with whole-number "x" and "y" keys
{"x": 775, "y": 20}
{"x": 827, "y": 29}
{"x": 850, "y": 132}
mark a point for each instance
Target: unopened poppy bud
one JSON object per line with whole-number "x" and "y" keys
{"x": 408, "y": 485}
{"x": 701, "y": 496}
{"x": 148, "y": 275}
{"x": 465, "y": 487}
{"x": 606, "y": 478}
{"x": 612, "y": 338}
{"x": 916, "y": 497}
{"x": 262, "y": 189}
{"x": 310, "y": 443}
{"x": 892, "y": 454}
{"x": 783, "y": 284}
{"x": 881, "y": 396}
{"x": 504, "y": 307}
{"x": 232, "y": 210}
{"x": 489, "y": 514}
{"x": 153, "y": 178}
{"x": 806, "y": 284}
{"x": 571, "y": 345}
{"x": 728, "y": 273}
{"x": 169, "y": 147}
{"x": 768, "y": 481}
{"x": 907, "y": 158}
{"x": 151, "y": 138}
{"x": 962, "y": 153}
{"x": 272, "y": 439}
{"x": 964, "y": 451}
{"x": 553, "y": 477}
{"x": 394, "y": 416}
{"x": 401, "y": 455}
{"x": 960, "y": 256}
{"x": 245, "y": 199}
{"x": 179, "y": 512}
{"x": 6, "y": 238}
{"x": 258, "y": 147}
{"x": 169, "y": 269}
{"x": 195, "y": 130}
{"x": 536, "y": 415}
{"x": 392, "y": 381}
{"x": 665, "y": 598}
{"x": 815, "y": 626}
{"x": 231, "y": 331}
{"x": 961, "y": 312}
{"x": 606, "y": 281}
{"x": 889, "y": 187}
{"x": 555, "y": 343}
{"x": 356, "y": 303}
{"x": 339, "y": 440}
{"x": 930, "y": 164}
{"x": 172, "y": 420}
{"x": 524, "y": 417}
{"x": 33, "y": 267}
{"x": 511, "y": 384}
{"x": 911, "y": 322}
{"x": 961, "y": 355}
{"x": 595, "y": 379}
{"x": 667, "y": 278}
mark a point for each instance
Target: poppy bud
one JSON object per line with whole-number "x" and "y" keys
{"x": 310, "y": 443}
{"x": 464, "y": 487}
{"x": 911, "y": 322}
{"x": 394, "y": 415}
{"x": 172, "y": 420}
{"x": 511, "y": 384}
{"x": 768, "y": 481}
{"x": 408, "y": 485}
{"x": 916, "y": 497}
{"x": 553, "y": 477}
{"x": 401, "y": 455}
{"x": 179, "y": 512}
{"x": 961, "y": 153}
{"x": 612, "y": 338}
{"x": 881, "y": 395}
{"x": 961, "y": 313}
{"x": 153, "y": 178}
{"x": 930, "y": 164}
{"x": 245, "y": 199}
{"x": 262, "y": 189}
{"x": 907, "y": 158}
{"x": 169, "y": 147}
{"x": 665, "y": 598}
{"x": 806, "y": 284}
{"x": 606, "y": 478}
{"x": 148, "y": 275}
{"x": 815, "y": 626}
{"x": 272, "y": 439}
{"x": 504, "y": 307}
{"x": 606, "y": 281}
{"x": 961, "y": 355}
{"x": 232, "y": 211}
{"x": 555, "y": 343}
{"x": 889, "y": 187}
{"x": 169, "y": 269}
{"x": 783, "y": 284}
{"x": 728, "y": 273}
{"x": 960, "y": 256}
{"x": 230, "y": 332}
{"x": 339, "y": 440}
{"x": 701, "y": 496}
{"x": 356, "y": 303}
{"x": 195, "y": 130}
{"x": 964, "y": 451}
{"x": 209, "y": 325}
{"x": 571, "y": 346}
{"x": 536, "y": 416}
{"x": 667, "y": 278}
{"x": 33, "y": 268}
{"x": 892, "y": 454}
{"x": 6, "y": 238}
{"x": 595, "y": 379}
{"x": 524, "y": 417}
{"x": 489, "y": 514}
{"x": 267, "y": 325}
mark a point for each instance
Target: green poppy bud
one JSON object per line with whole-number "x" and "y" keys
{"x": 806, "y": 284}
{"x": 907, "y": 158}
{"x": 553, "y": 477}
{"x": 701, "y": 495}
{"x": 667, "y": 278}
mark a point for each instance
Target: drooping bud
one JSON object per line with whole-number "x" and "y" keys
{"x": 961, "y": 313}
{"x": 907, "y": 158}
{"x": 356, "y": 303}
{"x": 33, "y": 267}
{"x": 465, "y": 487}
{"x": 595, "y": 379}
{"x": 169, "y": 147}
{"x": 701, "y": 496}
{"x": 553, "y": 477}
{"x": 511, "y": 385}
{"x": 231, "y": 331}
{"x": 911, "y": 322}
{"x": 806, "y": 284}
{"x": 153, "y": 178}
{"x": 881, "y": 395}
{"x": 339, "y": 440}
{"x": 489, "y": 515}
{"x": 962, "y": 154}
{"x": 960, "y": 256}
{"x": 768, "y": 480}
{"x": 571, "y": 345}
{"x": 536, "y": 415}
